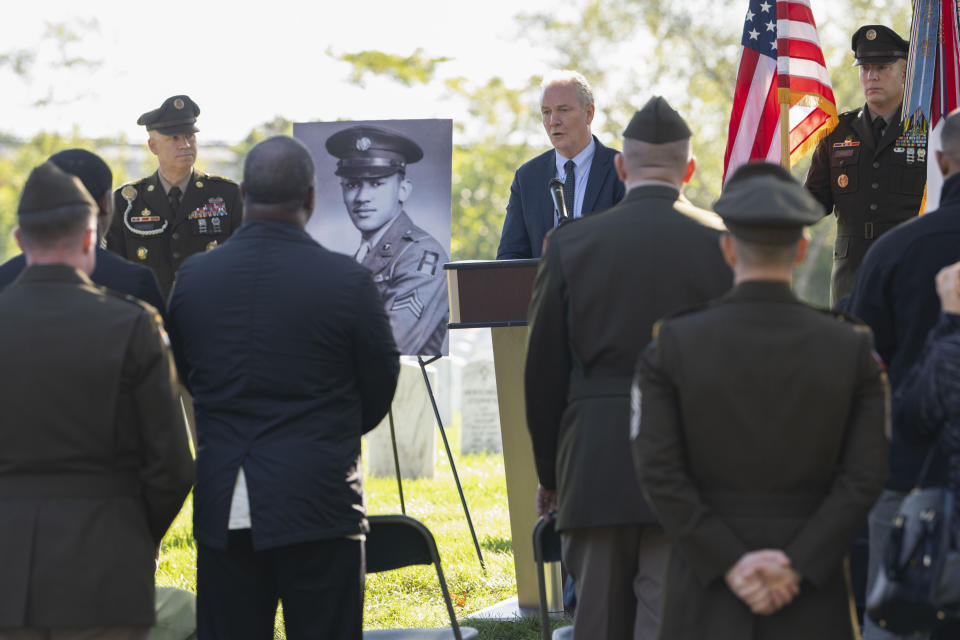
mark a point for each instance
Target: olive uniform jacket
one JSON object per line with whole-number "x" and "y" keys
{"x": 94, "y": 461}
{"x": 759, "y": 423}
{"x": 146, "y": 231}
{"x": 602, "y": 283}
{"x": 871, "y": 187}
{"x": 407, "y": 267}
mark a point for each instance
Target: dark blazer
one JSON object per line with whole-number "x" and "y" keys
{"x": 146, "y": 231}
{"x": 94, "y": 461}
{"x": 603, "y": 282}
{"x": 872, "y": 187}
{"x": 287, "y": 350}
{"x": 895, "y": 293}
{"x": 530, "y": 210}
{"x": 112, "y": 272}
{"x": 759, "y": 424}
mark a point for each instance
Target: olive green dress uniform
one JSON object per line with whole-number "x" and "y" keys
{"x": 147, "y": 231}
{"x": 871, "y": 185}
{"x": 759, "y": 423}
{"x": 407, "y": 267}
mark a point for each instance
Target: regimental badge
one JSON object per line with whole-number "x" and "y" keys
{"x": 212, "y": 245}
{"x": 142, "y": 253}
{"x": 129, "y": 192}
{"x": 843, "y": 180}
{"x": 364, "y": 143}
{"x": 922, "y": 155}
{"x": 871, "y": 34}
{"x": 178, "y": 103}
{"x": 199, "y": 184}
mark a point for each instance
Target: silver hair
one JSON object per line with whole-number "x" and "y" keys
{"x": 568, "y": 76}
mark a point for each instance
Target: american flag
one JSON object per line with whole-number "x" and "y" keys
{"x": 781, "y": 63}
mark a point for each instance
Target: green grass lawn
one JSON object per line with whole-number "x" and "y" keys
{"x": 410, "y": 597}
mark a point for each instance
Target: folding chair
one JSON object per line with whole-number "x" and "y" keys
{"x": 397, "y": 541}
{"x": 546, "y": 548}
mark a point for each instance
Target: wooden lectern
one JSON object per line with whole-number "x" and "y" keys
{"x": 496, "y": 294}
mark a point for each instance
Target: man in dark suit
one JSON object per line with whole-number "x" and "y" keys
{"x": 759, "y": 437}
{"x": 284, "y": 386}
{"x": 111, "y": 271}
{"x": 894, "y": 294}
{"x": 600, "y": 286}
{"x": 177, "y": 211}
{"x": 867, "y": 170}
{"x": 94, "y": 462}
{"x": 590, "y": 181}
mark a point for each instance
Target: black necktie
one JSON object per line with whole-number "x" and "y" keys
{"x": 174, "y": 197}
{"x": 568, "y": 186}
{"x": 878, "y": 125}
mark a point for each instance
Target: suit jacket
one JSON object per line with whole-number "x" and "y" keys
{"x": 146, "y": 231}
{"x": 873, "y": 187}
{"x": 407, "y": 267}
{"x": 530, "y": 209}
{"x": 759, "y": 423}
{"x": 112, "y": 272}
{"x": 288, "y": 353}
{"x": 603, "y": 282}
{"x": 94, "y": 461}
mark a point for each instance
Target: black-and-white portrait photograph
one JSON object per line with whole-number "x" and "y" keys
{"x": 383, "y": 197}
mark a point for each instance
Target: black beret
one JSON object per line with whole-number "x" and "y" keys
{"x": 177, "y": 114}
{"x": 877, "y": 44}
{"x": 657, "y": 122}
{"x": 89, "y": 167}
{"x": 371, "y": 152}
{"x": 761, "y": 202}
{"x": 48, "y": 188}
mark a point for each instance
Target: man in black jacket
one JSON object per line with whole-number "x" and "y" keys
{"x": 111, "y": 271}
{"x": 289, "y": 355}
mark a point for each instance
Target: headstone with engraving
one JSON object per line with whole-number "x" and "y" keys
{"x": 479, "y": 411}
{"x": 415, "y": 426}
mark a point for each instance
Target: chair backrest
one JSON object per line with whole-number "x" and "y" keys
{"x": 396, "y": 541}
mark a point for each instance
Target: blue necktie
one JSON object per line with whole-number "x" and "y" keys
{"x": 568, "y": 186}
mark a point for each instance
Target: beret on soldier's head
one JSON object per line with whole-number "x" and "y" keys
{"x": 656, "y": 123}
{"x": 177, "y": 114}
{"x": 48, "y": 188}
{"x": 877, "y": 44}
{"x": 89, "y": 167}
{"x": 761, "y": 202}
{"x": 371, "y": 152}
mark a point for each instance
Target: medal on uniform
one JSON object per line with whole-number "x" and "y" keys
{"x": 843, "y": 180}
{"x": 911, "y": 155}
{"x": 921, "y": 155}
{"x": 142, "y": 253}
{"x": 202, "y": 223}
{"x": 216, "y": 224}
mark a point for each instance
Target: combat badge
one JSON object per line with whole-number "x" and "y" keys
{"x": 843, "y": 180}
{"x": 142, "y": 253}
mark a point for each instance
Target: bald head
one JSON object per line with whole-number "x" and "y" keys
{"x": 668, "y": 162}
{"x": 278, "y": 179}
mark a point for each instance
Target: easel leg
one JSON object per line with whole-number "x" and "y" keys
{"x": 396, "y": 461}
{"x": 453, "y": 467}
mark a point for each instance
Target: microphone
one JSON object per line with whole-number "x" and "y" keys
{"x": 559, "y": 203}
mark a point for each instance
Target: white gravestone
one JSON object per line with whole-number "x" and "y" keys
{"x": 415, "y": 426}
{"x": 479, "y": 411}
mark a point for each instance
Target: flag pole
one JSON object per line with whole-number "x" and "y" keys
{"x": 785, "y": 135}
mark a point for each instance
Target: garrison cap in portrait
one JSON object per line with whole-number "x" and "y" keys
{"x": 877, "y": 44}
{"x": 177, "y": 114}
{"x": 371, "y": 152}
{"x": 763, "y": 203}
{"x": 657, "y": 123}
{"x": 49, "y": 189}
